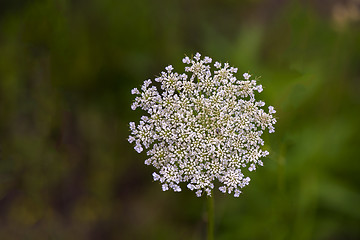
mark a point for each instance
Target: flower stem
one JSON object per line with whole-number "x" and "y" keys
{"x": 210, "y": 206}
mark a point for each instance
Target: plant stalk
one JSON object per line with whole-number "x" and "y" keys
{"x": 210, "y": 207}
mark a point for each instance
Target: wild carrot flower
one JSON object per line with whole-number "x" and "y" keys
{"x": 202, "y": 126}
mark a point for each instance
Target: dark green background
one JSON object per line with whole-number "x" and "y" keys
{"x": 66, "y": 71}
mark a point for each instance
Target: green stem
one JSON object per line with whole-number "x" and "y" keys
{"x": 210, "y": 206}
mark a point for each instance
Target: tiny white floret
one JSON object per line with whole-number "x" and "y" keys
{"x": 246, "y": 76}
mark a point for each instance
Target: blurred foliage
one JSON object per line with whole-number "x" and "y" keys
{"x": 66, "y": 70}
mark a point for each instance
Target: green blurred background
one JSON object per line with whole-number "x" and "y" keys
{"x": 66, "y": 71}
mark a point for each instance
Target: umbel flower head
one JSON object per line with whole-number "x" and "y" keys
{"x": 203, "y": 125}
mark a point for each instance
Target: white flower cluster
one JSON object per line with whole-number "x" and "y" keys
{"x": 201, "y": 127}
